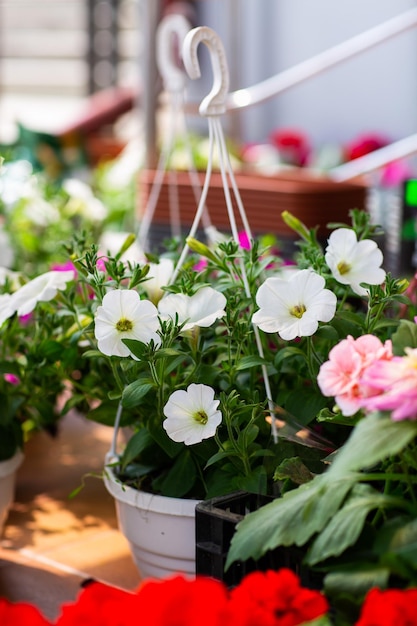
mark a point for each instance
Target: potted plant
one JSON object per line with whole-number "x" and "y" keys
{"x": 35, "y": 356}
{"x": 356, "y": 521}
{"x": 200, "y": 364}
{"x": 32, "y": 368}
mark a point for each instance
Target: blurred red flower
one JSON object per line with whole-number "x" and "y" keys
{"x": 20, "y": 614}
{"x": 274, "y": 599}
{"x": 389, "y": 607}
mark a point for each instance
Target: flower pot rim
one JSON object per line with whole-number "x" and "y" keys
{"x": 8, "y": 466}
{"x": 144, "y": 499}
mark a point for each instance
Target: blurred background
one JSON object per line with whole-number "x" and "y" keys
{"x": 55, "y": 53}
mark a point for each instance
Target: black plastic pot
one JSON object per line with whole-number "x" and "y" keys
{"x": 216, "y": 520}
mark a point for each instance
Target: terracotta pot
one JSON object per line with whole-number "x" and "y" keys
{"x": 315, "y": 200}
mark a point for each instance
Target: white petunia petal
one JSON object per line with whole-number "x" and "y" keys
{"x": 41, "y": 289}
{"x": 192, "y": 415}
{"x": 294, "y": 307}
{"x": 353, "y": 262}
{"x": 123, "y": 315}
{"x": 201, "y": 309}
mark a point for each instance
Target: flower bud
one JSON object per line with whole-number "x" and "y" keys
{"x": 295, "y": 224}
{"x": 200, "y": 248}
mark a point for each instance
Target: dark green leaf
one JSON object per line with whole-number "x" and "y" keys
{"x": 135, "y": 392}
{"x": 247, "y": 362}
{"x": 356, "y": 581}
{"x": 181, "y": 477}
{"x": 136, "y": 445}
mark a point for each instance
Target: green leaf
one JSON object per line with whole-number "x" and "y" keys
{"x": 137, "y": 348}
{"x": 247, "y": 362}
{"x": 292, "y": 519}
{"x": 170, "y": 352}
{"x": 304, "y": 404}
{"x": 135, "y": 392}
{"x": 356, "y": 580}
{"x": 181, "y": 477}
{"x": 344, "y": 528}
{"x": 404, "y": 337}
{"x": 255, "y": 482}
{"x": 293, "y": 469}
{"x": 402, "y": 540}
{"x": 220, "y": 456}
{"x": 136, "y": 445}
{"x": 374, "y": 438}
{"x": 327, "y": 332}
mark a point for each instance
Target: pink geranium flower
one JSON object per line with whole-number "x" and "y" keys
{"x": 396, "y": 384}
{"x": 342, "y": 375}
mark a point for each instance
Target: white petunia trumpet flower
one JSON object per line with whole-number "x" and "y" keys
{"x": 353, "y": 262}
{"x": 192, "y": 415}
{"x": 293, "y": 307}
{"x": 201, "y": 309}
{"x": 159, "y": 276}
{"x": 41, "y": 289}
{"x": 123, "y": 315}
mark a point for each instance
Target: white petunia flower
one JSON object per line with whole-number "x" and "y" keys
{"x": 6, "y": 310}
{"x": 159, "y": 276}
{"x": 294, "y": 307}
{"x": 41, "y": 289}
{"x": 201, "y": 309}
{"x": 82, "y": 200}
{"x": 353, "y": 262}
{"x": 192, "y": 415}
{"x": 123, "y": 315}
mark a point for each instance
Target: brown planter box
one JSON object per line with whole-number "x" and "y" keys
{"x": 314, "y": 200}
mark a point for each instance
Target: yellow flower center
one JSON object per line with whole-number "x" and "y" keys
{"x": 298, "y": 310}
{"x": 124, "y": 325}
{"x": 343, "y": 267}
{"x": 201, "y": 417}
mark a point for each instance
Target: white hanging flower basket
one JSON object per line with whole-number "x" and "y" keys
{"x": 160, "y": 530}
{"x": 8, "y": 470}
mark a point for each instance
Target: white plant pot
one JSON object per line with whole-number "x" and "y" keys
{"x": 8, "y": 470}
{"x": 160, "y": 530}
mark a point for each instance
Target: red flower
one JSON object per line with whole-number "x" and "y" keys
{"x": 388, "y": 608}
{"x": 100, "y": 605}
{"x": 21, "y": 614}
{"x": 178, "y": 601}
{"x": 274, "y": 599}
{"x": 364, "y": 144}
{"x": 293, "y": 146}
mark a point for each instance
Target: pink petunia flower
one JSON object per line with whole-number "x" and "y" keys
{"x": 342, "y": 375}
{"x": 12, "y": 379}
{"x": 396, "y": 384}
{"x": 65, "y": 267}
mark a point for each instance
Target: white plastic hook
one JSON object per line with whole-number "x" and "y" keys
{"x": 171, "y": 26}
{"x": 215, "y": 102}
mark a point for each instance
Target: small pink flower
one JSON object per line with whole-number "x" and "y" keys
{"x": 201, "y": 265}
{"x": 244, "y": 240}
{"x": 341, "y": 375}
{"x": 24, "y": 320}
{"x": 12, "y": 379}
{"x": 396, "y": 384}
{"x": 65, "y": 267}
